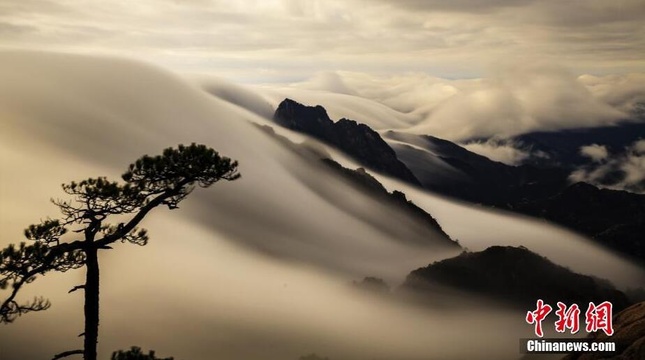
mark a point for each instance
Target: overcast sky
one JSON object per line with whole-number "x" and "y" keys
{"x": 289, "y": 40}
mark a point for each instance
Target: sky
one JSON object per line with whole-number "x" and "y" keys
{"x": 269, "y": 41}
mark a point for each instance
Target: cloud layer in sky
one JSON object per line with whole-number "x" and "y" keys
{"x": 281, "y": 40}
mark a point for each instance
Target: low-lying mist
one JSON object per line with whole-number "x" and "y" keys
{"x": 253, "y": 269}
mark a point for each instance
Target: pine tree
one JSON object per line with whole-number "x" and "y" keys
{"x": 74, "y": 240}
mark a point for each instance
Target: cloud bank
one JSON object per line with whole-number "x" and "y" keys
{"x": 513, "y": 99}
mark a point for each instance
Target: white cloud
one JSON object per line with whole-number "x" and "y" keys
{"x": 327, "y": 81}
{"x": 639, "y": 147}
{"x": 519, "y": 99}
{"x": 624, "y": 171}
{"x": 503, "y": 152}
{"x": 595, "y": 152}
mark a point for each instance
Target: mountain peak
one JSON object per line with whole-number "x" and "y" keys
{"x": 290, "y": 106}
{"x": 355, "y": 139}
{"x": 312, "y": 120}
{"x": 514, "y": 274}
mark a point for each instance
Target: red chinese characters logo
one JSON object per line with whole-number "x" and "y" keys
{"x": 567, "y": 318}
{"x": 536, "y": 317}
{"x": 597, "y": 317}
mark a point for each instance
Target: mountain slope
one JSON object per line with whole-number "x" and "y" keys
{"x": 614, "y": 218}
{"x": 449, "y": 169}
{"x": 514, "y": 275}
{"x": 396, "y": 198}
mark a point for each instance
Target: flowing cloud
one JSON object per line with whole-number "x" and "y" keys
{"x": 503, "y": 152}
{"x": 513, "y": 99}
{"x": 239, "y": 95}
{"x": 519, "y": 99}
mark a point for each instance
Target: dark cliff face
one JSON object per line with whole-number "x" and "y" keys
{"x": 311, "y": 120}
{"x": 356, "y": 140}
{"x": 514, "y": 275}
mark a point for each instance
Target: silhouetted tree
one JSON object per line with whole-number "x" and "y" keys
{"x": 135, "y": 354}
{"x": 149, "y": 182}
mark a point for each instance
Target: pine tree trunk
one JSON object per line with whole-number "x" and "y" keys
{"x": 91, "y": 304}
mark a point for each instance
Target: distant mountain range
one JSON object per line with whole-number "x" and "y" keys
{"x": 447, "y": 168}
{"x": 562, "y": 148}
{"x": 540, "y": 188}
